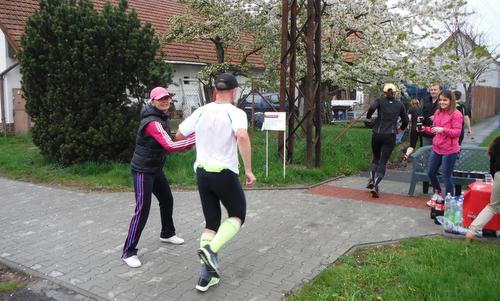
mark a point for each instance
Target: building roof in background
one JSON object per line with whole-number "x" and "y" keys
{"x": 467, "y": 38}
{"x": 14, "y": 14}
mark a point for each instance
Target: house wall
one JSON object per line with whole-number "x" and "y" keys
{"x": 485, "y": 94}
{"x": 187, "y": 88}
{"x": 12, "y": 79}
{"x": 490, "y": 78}
{"x": 183, "y": 71}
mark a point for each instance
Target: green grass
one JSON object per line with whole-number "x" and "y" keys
{"x": 6, "y": 287}
{"x": 490, "y": 138}
{"x": 21, "y": 160}
{"x": 415, "y": 269}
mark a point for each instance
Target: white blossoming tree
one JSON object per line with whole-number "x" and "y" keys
{"x": 244, "y": 26}
{"x": 464, "y": 54}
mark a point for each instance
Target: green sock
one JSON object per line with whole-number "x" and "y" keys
{"x": 226, "y": 231}
{"x": 206, "y": 238}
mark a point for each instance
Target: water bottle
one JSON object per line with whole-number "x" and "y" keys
{"x": 453, "y": 209}
{"x": 488, "y": 178}
{"x": 449, "y": 227}
{"x": 459, "y": 211}
{"x": 447, "y": 209}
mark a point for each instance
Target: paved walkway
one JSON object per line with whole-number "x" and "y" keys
{"x": 75, "y": 238}
{"x": 481, "y": 130}
{"x": 289, "y": 237}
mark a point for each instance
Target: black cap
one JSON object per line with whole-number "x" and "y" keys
{"x": 225, "y": 81}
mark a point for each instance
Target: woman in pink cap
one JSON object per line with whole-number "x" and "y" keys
{"x": 153, "y": 142}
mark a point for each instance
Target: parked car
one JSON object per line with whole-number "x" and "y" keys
{"x": 261, "y": 105}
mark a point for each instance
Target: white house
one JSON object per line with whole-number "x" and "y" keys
{"x": 10, "y": 80}
{"x": 486, "y": 92}
{"x": 186, "y": 58}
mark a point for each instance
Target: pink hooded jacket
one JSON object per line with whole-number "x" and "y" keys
{"x": 446, "y": 143}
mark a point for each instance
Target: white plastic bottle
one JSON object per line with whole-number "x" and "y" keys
{"x": 459, "y": 211}
{"x": 452, "y": 206}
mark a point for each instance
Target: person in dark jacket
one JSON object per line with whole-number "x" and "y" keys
{"x": 466, "y": 113}
{"x": 429, "y": 107}
{"x": 384, "y": 133}
{"x": 152, "y": 144}
{"x": 494, "y": 206}
{"x": 414, "y": 115}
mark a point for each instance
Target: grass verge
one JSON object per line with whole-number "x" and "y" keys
{"x": 11, "y": 280}
{"x": 490, "y": 138}
{"x": 6, "y": 287}
{"x": 21, "y": 160}
{"x": 414, "y": 269}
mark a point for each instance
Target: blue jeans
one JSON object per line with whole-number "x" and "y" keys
{"x": 448, "y": 163}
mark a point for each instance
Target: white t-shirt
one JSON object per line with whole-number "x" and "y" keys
{"x": 215, "y": 125}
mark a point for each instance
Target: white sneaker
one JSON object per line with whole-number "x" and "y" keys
{"x": 175, "y": 240}
{"x": 132, "y": 261}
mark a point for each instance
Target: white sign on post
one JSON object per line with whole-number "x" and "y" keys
{"x": 275, "y": 121}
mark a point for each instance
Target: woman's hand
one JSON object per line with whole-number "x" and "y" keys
{"x": 437, "y": 129}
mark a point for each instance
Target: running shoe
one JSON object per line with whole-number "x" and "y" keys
{"x": 370, "y": 184}
{"x": 132, "y": 261}
{"x": 209, "y": 257}
{"x": 375, "y": 192}
{"x": 207, "y": 278}
{"x": 175, "y": 240}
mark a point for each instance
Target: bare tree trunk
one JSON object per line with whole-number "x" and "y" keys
{"x": 327, "y": 92}
{"x": 468, "y": 96}
{"x": 219, "y": 49}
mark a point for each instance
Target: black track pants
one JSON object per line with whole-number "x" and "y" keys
{"x": 146, "y": 184}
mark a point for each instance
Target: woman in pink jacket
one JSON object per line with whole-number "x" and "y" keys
{"x": 446, "y": 128}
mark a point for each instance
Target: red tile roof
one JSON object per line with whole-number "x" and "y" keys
{"x": 14, "y": 14}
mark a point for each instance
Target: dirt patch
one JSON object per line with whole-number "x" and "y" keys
{"x": 11, "y": 281}
{"x": 18, "y": 286}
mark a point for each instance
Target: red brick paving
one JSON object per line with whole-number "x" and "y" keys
{"x": 366, "y": 196}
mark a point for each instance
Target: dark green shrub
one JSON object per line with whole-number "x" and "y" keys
{"x": 86, "y": 74}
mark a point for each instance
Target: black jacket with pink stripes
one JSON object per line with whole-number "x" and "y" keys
{"x": 149, "y": 155}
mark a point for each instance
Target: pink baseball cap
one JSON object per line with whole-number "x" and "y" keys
{"x": 158, "y": 93}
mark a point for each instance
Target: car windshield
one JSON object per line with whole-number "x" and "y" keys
{"x": 274, "y": 98}
{"x": 257, "y": 98}
{"x": 254, "y": 98}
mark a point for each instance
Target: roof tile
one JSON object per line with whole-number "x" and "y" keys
{"x": 14, "y": 14}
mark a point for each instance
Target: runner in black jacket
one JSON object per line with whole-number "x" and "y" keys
{"x": 384, "y": 133}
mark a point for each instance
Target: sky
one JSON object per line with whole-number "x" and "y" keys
{"x": 487, "y": 20}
